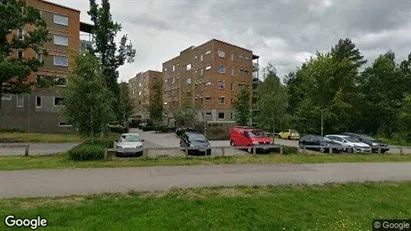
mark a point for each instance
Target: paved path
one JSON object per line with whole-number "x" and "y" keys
{"x": 63, "y": 182}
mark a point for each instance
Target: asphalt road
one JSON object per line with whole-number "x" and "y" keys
{"x": 65, "y": 182}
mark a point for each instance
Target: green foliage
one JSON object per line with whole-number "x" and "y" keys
{"x": 187, "y": 116}
{"x": 287, "y": 150}
{"x": 156, "y": 102}
{"x": 126, "y": 105}
{"x": 86, "y": 98}
{"x": 112, "y": 57}
{"x": 272, "y": 101}
{"x": 118, "y": 129}
{"x": 242, "y": 113}
{"x": 105, "y": 143}
{"x": 87, "y": 152}
{"x": 217, "y": 133}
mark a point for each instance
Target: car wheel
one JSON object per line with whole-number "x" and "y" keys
{"x": 279, "y": 136}
{"x": 208, "y": 152}
{"x": 289, "y": 137}
{"x": 138, "y": 154}
{"x": 118, "y": 154}
{"x": 350, "y": 150}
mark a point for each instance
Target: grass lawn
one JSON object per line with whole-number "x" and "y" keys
{"x": 339, "y": 207}
{"x": 61, "y": 160}
{"x": 46, "y": 137}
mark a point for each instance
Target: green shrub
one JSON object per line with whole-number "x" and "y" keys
{"x": 118, "y": 129}
{"x": 13, "y": 130}
{"x": 216, "y": 133}
{"x": 290, "y": 150}
{"x": 87, "y": 152}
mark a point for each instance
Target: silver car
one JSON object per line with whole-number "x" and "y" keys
{"x": 350, "y": 144}
{"x": 129, "y": 144}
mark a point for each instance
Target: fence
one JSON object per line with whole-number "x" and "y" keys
{"x": 392, "y": 149}
{"x": 17, "y": 146}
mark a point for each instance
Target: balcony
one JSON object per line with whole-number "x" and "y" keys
{"x": 256, "y": 67}
{"x": 86, "y": 36}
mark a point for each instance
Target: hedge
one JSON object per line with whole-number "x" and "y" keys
{"x": 118, "y": 129}
{"x": 90, "y": 150}
{"x": 290, "y": 150}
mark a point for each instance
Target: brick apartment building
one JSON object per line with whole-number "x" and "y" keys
{"x": 141, "y": 91}
{"x": 210, "y": 76}
{"x": 37, "y": 111}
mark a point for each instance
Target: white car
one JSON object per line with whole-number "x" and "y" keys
{"x": 350, "y": 144}
{"x": 129, "y": 144}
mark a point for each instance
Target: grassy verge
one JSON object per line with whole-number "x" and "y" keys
{"x": 398, "y": 142}
{"x": 61, "y": 161}
{"x": 46, "y": 137}
{"x": 339, "y": 207}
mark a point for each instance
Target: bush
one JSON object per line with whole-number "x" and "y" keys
{"x": 148, "y": 128}
{"x": 87, "y": 152}
{"x": 118, "y": 129}
{"x": 105, "y": 143}
{"x": 216, "y": 133}
{"x": 13, "y": 130}
{"x": 290, "y": 150}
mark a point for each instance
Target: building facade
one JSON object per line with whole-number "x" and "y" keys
{"x": 141, "y": 91}
{"x": 38, "y": 111}
{"x": 209, "y": 77}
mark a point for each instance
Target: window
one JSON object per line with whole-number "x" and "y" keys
{"x": 221, "y": 53}
{"x": 139, "y": 84}
{"x": 20, "y": 101}
{"x": 221, "y": 115}
{"x": 232, "y": 71}
{"x": 208, "y": 83}
{"x": 6, "y": 97}
{"x": 174, "y": 68}
{"x": 64, "y": 124}
{"x": 60, "y": 61}
{"x": 60, "y": 40}
{"x": 232, "y": 86}
{"x": 247, "y": 58}
{"x": 240, "y": 56}
{"x": 39, "y": 57}
{"x": 221, "y": 100}
{"x": 60, "y": 81}
{"x": 232, "y": 56}
{"x": 207, "y": 99}
{"x": 231, "y": 116}
{"x": 195, "y": 57}
{"x": 188, "y": 67}
{"x": 58, "y": 101}
{"x": 201, "y": 57}
{"x": 201, "y": 72}
{"x": 39, "y": 101}
{"x": 208, "y": 68}
{"x": 20, "y": 33}
{"x": 208, "y": 52}
{"x": 221, "y": 69}
{"x": 139, "y": 93}
{"x": 60, "y": 19}
{"x": 208, "y": 113}
{"x": 221, "y": 84}
{"x": 20, "y": 54}
{"x": 188, "y": 81}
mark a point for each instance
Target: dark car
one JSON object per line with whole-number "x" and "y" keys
{"x": 324, "y": 142}
{"x": 374, "y": 143}
{"x": 196, "y": 142}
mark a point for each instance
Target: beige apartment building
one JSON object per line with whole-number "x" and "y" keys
{"x": 209, "y": 76}
{"x": 38, "y": 111}
{"x": 141, "y": 91}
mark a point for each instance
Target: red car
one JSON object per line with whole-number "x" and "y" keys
{"x": 249, "y": 137}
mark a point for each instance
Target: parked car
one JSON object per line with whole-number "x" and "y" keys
{"x": 197, "y": 143}
{"x": 374, "y": 143}
{"x": 350, "y": 144}
{"x": 249, "y": 137}
{"x": 290, "y": 134}
{"x": 324, "y": 142}
{"x": 142, "y": 125}
{"x": 129, "y": 144}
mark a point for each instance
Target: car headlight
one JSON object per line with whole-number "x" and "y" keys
{"x": 374, "y": 144}
{"x": 139, "y": 146}
{"x": 119, "y": 147}
{"x": 191, "y": 145}
{"x": 254, "y": 142}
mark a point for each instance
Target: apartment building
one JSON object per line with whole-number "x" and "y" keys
{"x": 38, "y": 111}
{"x": 209, "y": 76}
{"x": 141, "y": 91}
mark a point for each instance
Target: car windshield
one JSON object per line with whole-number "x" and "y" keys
{"x": 324, "y": 138}
{"x": 294, "y": 131}
{"x": 196, "y": 137}
{"x": 351, "y": 139}
{"x": 257, "y": 133}
{"x": 130, "y": 138}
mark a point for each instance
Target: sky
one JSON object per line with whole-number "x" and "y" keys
{"x": 283, "y": 32}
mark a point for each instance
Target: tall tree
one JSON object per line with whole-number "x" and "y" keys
{"x": 87, "y": 99}
{"x": 242, "y": 113}
{"x": 346, "y": 49}
{"x": 105, "y": 31}
{"x": 126, "y": 105}
{"x": 273, "y": 101}
{"x": 14, "y": 17}
{"x": 156, "y": 103}
{"x": 405, "y": 118}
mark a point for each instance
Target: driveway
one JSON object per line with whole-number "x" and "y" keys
{"x": 65, "y": 182}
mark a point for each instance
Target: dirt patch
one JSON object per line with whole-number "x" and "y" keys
{"x": 9, "y": 140}
{"x": 46, "y": 202}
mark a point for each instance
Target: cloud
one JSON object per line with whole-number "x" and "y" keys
{"x": 284, "y": 32}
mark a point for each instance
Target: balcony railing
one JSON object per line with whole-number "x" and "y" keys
{"x": 255, "y": 67}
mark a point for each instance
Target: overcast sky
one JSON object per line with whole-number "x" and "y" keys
{"x": 284, "y": 32}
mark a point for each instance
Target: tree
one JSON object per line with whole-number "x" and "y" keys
{"x": 87, "y": 99}
{"x": 405, "y": 118}
{"x": 15, "y": 15}
{"x": 242, "y": 107}
{"x": 126, "y": 105}
{"x": 156, "y": 102}
{"x": 273, "y": 101}
{"x": 187, "y": 116}
{"x": 105, "y": 31}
